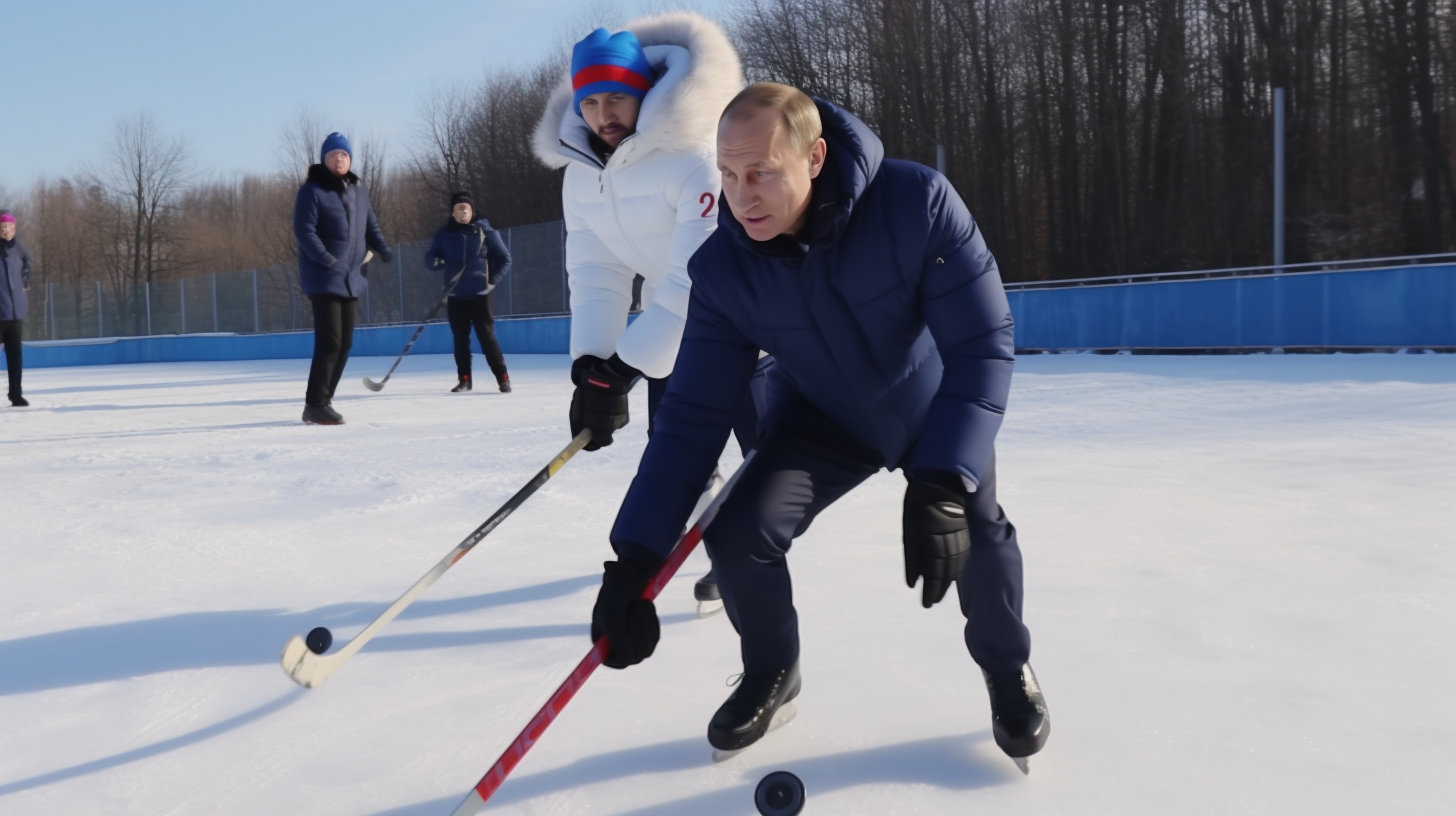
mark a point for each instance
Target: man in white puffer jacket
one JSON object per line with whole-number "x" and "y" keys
{"x": 635, "y": 128}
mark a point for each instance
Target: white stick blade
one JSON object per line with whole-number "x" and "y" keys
{"x": 303, "y": 666}
{"x": 372, "y": 385}
{"x": 472, "y": 805}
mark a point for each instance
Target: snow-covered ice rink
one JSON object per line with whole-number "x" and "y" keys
{"x": 1240, "y": 586}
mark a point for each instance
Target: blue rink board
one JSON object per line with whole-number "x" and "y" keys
{"x": 1401, "y": 307}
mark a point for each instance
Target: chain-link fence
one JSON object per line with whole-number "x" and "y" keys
{"x": 269, "y": 300}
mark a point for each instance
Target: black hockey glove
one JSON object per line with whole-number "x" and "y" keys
{"x": 628, "y": 622}
{"x": 600, "y": 399}
{"x": 937, "y": 540}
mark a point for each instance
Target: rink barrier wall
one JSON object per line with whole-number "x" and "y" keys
{"x": 1405, "y": 307}
{"x": 537, "y": 335}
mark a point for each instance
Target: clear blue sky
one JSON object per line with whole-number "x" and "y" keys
{"x": 228, "y": 76}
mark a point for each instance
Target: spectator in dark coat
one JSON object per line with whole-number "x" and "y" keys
{"x": 870, "y": 284}
{"x": 337, "y": 235}
{"x": 14, "y": 283}
{"x": 471, "y": 256}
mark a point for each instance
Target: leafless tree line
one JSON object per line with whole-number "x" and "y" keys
{"x": 1089, "y": 137}
{"x": 1095, "y": 137}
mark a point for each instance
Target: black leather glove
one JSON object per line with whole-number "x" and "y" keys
{"x": 628, "y": 622}
{"x": 600, "y": 399}
{"x": 937, "y": 540}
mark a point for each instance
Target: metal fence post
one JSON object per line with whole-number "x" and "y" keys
{"x": 399, "y": 279}
{"x": 100, "y": 324}
{"x": 147, "y": 293}
{"x": 565, "y": 286}
{"x": 215, "y": 325}
{"x": 182, "y": 304}
{"x": 256, "y": 324}
{"x": 512, "y": 290}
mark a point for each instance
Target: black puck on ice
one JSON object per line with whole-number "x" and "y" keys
{"x": 779, "y": 794}
{"x": 319, "y": 640}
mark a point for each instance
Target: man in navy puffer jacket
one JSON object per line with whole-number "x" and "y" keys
{"x": 14, "y": 283}
{"x": 337, "y": 233}
{"x": 871, "y": 285}
{"x": 473, "y": 257}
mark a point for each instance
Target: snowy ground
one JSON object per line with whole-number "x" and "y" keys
{"x": 1240, "y": 573}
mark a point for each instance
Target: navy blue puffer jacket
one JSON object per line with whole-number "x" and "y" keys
{"x": 892, "y": 321}
{"x": 335, "y": 227}
{"x": 475, "y": 247}
{"x": 14, "y": 277}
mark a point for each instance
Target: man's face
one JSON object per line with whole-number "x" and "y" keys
{"x": 338, "y": 161}
{"x": 611, "y": 116}
{"x": 7, "y": 230}
{"x": 768, "y": 184}
{"x": 463, "y": 212}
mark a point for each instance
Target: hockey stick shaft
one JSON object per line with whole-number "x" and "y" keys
{"x": 491, "y": 782}
{"x": 420, "y": 330}
{"x": 308, "y": 669}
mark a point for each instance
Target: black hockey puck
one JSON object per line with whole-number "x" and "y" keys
{"x": 319, "y": 640}
{"x": 779, "y": 794}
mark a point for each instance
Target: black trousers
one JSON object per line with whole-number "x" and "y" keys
{"x": 333, "y": 335}
{"x": 804, "y": 464}
{"x": 11, "y": 333}
{"x": 465, "y": 313}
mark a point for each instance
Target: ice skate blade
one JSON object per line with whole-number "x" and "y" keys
{"x": 785, "y": 715}
{"x": 1023, "y": 764}
{"x": 707, "y": 609}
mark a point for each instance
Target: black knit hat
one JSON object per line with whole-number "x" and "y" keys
{"x": 461, "y": 197}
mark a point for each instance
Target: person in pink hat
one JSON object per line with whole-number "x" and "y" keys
{"x": 14, "y": 283}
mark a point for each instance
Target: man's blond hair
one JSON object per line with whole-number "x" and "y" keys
{"x": 800, "y": 114}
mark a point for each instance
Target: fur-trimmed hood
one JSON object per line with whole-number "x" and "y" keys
{"x": 324, "y": 177}
{"x": 698, "y": 74}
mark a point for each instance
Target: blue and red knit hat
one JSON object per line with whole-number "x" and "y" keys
{"x": 609, "y": 63}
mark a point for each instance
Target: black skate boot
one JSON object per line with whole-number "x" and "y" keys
{"x": 17, "y": 401}
{"x": 1019, "y": 717}
{"x": 706, "y": 589}
{"x": 759, "y": 705}
{"x": 322, "y": 415}
{"x": 463, "y": 385}
{"x": 504, "y": 381}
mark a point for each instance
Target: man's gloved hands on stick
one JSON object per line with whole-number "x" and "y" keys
{"x": 628, "y": 622}
{"x": 600, "y": 399}
{"x": 937, "y": 539}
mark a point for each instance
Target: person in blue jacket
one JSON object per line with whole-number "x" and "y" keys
{"x": 337, "y": 235}
{"x": 870, "y": 284}
{"x": 14, "y": 283}
{"x": 468, "y": 249}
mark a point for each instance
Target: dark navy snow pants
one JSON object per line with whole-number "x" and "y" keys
{"x": 804, "y": 464}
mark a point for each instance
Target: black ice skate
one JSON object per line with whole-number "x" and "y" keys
{"x": 17, "y": 401}
{"x": 1019, "y": 717}
{"x": 463, "y": 385}
{"x": 322, "y": 415}
{"x": 760, "y": 704}
{"x": 710, "y": 602}
{"x": 504, "y": 381}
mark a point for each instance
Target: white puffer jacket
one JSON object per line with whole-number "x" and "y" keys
{"x": 654, "y": 202}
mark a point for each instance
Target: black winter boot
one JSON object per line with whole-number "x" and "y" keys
{"x": 504, "y": 381}
{"x": 749, "y": 711}
{"x": 463, "y": 385}
{"x": 1019, "y": 717}
{"x": 17, "y": 401}
{"x": 322, "y": 415}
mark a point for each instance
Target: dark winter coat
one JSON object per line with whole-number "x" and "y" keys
{"x": 890, "y": 319}
{"x": 14, "y": 278}
{"x": 477, "y": 248}
{"x": 335, "y": 227}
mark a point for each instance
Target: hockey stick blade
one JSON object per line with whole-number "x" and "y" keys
{"x": 308, "y": 669}
{"x": 374, "y": 386}
{"x": 536, "y": 728}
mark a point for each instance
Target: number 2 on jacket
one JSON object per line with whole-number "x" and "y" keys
{"x": 710, "y": 200}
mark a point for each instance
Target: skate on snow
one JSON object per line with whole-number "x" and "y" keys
{"x": 1019, "y": 718}
{"x": 761, "y": 703}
